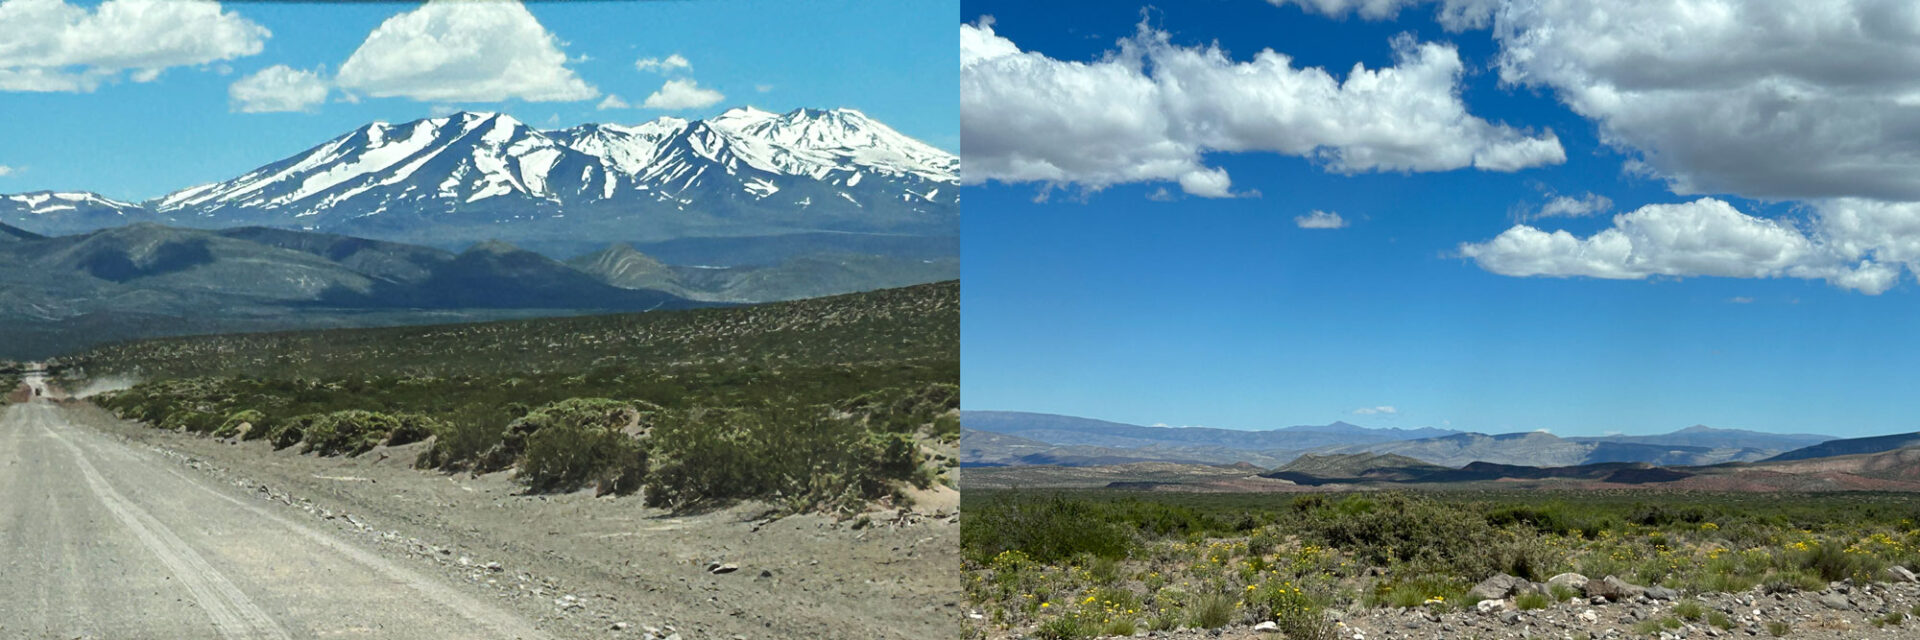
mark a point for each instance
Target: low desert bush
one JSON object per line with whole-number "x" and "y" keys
{"x": 579, "y": 442}
{"x": 1049, "y": 530}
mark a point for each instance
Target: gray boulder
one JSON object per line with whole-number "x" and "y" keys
{"x": 1498, "y": 587}
{"x": 1574, "y": 581}
{"x": 1614, "y": 589}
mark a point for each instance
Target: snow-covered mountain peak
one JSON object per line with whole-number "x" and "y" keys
{"x": 743, "y": 115}
{"x": 44, "y": 202}
{"x": 817, "y": 141}
{"x": 805, "y": 168}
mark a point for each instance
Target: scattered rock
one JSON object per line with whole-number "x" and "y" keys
{"x": 1498, "y": 587}
{"x": 718, "y": 568}
{"x": 1267, "y": 627}
{"x": 1491, "y": 606}
{"x": 1614, "y": 589}
{"x": 1836, "y": 601}
{"x": 1900, "y": 574}
{"x": 1574, "y": 581}
{"x": 1662, "y": 593}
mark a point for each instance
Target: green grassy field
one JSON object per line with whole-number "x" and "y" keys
{"x": 825, "y": 403}
{"x": 1069, "y": 564}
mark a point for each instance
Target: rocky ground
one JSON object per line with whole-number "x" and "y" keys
{"x": 1841, "y": 611}
{"x": 592, "y": 567}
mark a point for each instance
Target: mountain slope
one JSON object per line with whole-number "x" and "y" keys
{"x": 1851, "y": 446}
{"x": 10, "y": 233}
{"x": 1705, "y": 436}
{"x": 623, "y": 266}
{"x": 67, "y": 212}
{"x": 145, "y": 280}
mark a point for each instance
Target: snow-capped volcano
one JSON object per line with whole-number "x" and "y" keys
{"x": 436, "y": 164}
{"x": 744, "y": 172}
{"x": 465, "y": 177}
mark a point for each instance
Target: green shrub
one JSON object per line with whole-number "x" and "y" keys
{"x": 413, "y": 427}
{"x": 1415, "y": 586}
{"x": 191, "y": 420}
{"x": 354, "y": 432}
{"x": 1532, "y": 600}
{"x": 1210, "y": 611}
{"x": 289, "y": 432}
{"x": 230, "y": 427}
{"x": 1831, "y": 561}
{"x": 1719, "y": 620}
{"x": 260, "y": 429}
{"x": 806, "y": 457}
{"x": 582, "y": 441}
{"x": 1689, "y": 610}
{"x": 1048, "y": 530}
{"x": 1777, "y": 628}
{"x": 1063, "y": 628}
{"x": 1298, "y": 614}
{"x": 1396, "y": 527}
{"x": 1792, "y": 581}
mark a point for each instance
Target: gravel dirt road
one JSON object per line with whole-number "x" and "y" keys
{"x": 106, "y": 540}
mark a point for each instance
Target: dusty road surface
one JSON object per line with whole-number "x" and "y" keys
{"x": 100, "y": 538}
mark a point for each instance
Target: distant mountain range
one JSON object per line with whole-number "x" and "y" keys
{"x": 1069, "y": 430}
{"x": 1065, "y": 440}
{"x": 142, "y": 280}
{"x": 1891, "y": 469}
{"x": 467, "y": 177}
{"x": 1851, "y": 446}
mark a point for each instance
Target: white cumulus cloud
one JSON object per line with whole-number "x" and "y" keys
{"x": 1455, "y": 15}
{"x": 5, "y": 171}
{"x": 1148, "y": 111}
{"x": 1812, "y": 102}
{"x": 1776, "y": 100}
{"x": 1373, "y": 411}
{"x": 49, "y": 45}
{"x": 278, "y": 88}
{"x": 463, "y": 52}
{"x": 1709, "y": 237}
{"x": 682, "y": 94}
{"x": 612, "y": 102}
{"x": 663, "y": 65}
{"x": 1317, "y": 219}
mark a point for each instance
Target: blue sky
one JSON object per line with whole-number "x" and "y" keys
{"x": 134, "y": 140}
{"x": 1137, "y": 300}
